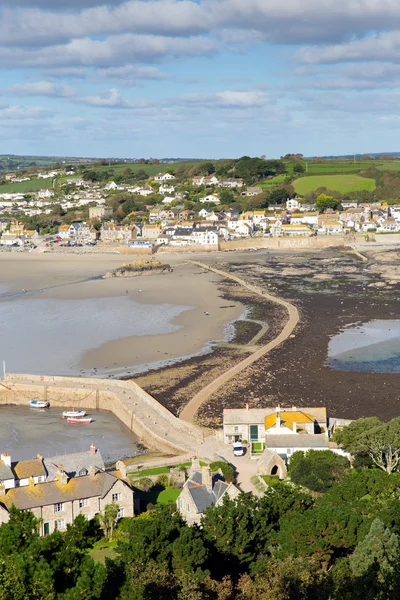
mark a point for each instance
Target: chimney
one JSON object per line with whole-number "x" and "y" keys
{"x": 92, "y": 470}
{"x": 2, "y": 490}
{"x": 207, "y": 477}
{"x": 93, "y": 449}
{"x": 121, "y": 467}
{"x": 294, "y": 426}
{"x": 195, "y": 466}
{"x": 61, "y": 476}
{"x": 6, "y": 458}
{"x": 278, "y": 417}
{"x": 247, "y": 408}
{"x": 39, "y": 456}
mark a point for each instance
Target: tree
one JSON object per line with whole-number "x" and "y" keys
{"x": 226, "y": 469}
{"x": 108, "y": 520}
{"x": 226, "y": 196}
{"x": 347, "y": 436}
{"x": 324, "y": 202}
{"x": 317, "y": 470}
{"x": 382, "y": 444}
{"x": 298, "y": 167}
{"x": 375, "y": 562}
{"x": 278, "y": 196}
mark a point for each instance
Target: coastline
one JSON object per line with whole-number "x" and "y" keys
{"x": 188, "y": 291}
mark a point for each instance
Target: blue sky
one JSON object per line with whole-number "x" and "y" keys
{"x": 205, "y": 78}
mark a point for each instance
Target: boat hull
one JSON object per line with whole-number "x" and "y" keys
{"x": 77, "y": 421}
{"x": 39, "y": 404}
{"x": 73, "y": 414}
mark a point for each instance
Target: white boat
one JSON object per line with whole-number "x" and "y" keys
{"x": 80, "y": 421}
{"x": 39, "y": 404}
{"x": 73, "y": 414}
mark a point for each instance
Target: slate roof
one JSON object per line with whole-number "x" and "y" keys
{"x": 72, "y": 464}
{"x": 297, "y": 441}
{"x": 5, "y": 471}
{"x": 201, "y": 496}
{"x": 29, "y": 468}
{"x": 237, "y": 416}
{"x": 45, "y": 494}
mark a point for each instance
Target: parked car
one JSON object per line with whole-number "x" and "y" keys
{"x": 238, "y": 449}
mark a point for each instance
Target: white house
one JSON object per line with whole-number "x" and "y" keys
{"x": 166, "y": 189}
{"x": 168, "y": 199}
{"x": 205, "y": 237}
{"x": 164, "y": 177}
{"x": 214, "y": 198}
{"x": 292, "y": 204}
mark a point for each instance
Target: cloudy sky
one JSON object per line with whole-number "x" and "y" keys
{"x": 199, "y": 78}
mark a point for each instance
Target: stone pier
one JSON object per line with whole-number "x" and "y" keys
{"x": 153, "y": 424}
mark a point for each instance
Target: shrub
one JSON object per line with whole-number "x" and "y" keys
{"x": 317, "y": 470}
{"x": 144, "y": 484}
{"x": 225, "y": 468}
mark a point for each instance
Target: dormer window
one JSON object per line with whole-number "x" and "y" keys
{"x": 83, "y": 472}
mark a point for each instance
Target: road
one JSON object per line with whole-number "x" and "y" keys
{"x": 194, "y": 404}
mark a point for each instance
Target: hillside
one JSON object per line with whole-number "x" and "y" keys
{"x": 341, "y": 183}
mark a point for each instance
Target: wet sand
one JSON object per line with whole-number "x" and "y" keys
{"x": 50, "y": 280}
{"x": 25, "y": 432}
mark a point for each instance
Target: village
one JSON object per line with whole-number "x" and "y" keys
{"x": 165, "y": 218}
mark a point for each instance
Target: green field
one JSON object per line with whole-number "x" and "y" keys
{"x": 341, "y": 183}
{"x": 149, "y": 169}
{"x": 160, "y": 497}
{"x": 26, "y": 186}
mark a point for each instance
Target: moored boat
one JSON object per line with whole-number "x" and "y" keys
{"x": 80, "y": 420}
{"x": 73, "y": 414}
{"x": 39, "y": 404}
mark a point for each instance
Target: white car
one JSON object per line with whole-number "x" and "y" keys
{"x": 238, "y": 449}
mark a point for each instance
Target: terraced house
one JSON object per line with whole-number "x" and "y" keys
{"x": 57, "y": 493}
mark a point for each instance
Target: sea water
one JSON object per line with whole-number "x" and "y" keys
{"x": 368, "y": 347}
{"x": 49, "y": 336}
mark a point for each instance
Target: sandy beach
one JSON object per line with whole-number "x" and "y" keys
{"x": 111, "y": 326}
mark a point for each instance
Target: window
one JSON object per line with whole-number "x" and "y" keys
{"x": 40, "y": 479}
{"x": 236, "y": 428}
{"x": 120, "y": 513}
{"x": 288, "y": 451}
{"x": 59, "y": 507}
{"x": 83, "y": 503}
{"x": 60, "y": 524}
{"x": 116, "y": 497}
{"x": 83, "y": 472}
{"x": 87, "y": 517}
{"x": 254, "y": 432}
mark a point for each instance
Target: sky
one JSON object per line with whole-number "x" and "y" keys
{"x": 199, "y": 78}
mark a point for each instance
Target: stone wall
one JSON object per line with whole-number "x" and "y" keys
{"x": 284, "y": 242}
{"x": 163, "y": 249}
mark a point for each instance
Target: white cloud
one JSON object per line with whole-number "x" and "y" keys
{"x": 227, "y": 98}
{"x": 131, "y": 73}
{"x": 114, "y": 51}
{"x": 16, "y": 113}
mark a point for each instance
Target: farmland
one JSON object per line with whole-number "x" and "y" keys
{"x": 26, "y": 186}
{"x": 341, "y": 183}
{"x": 149, "y": 169}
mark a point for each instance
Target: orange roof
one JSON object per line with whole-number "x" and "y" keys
{"x": 288, "y": 417}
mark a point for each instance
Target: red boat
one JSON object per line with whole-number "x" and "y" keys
{"x": 80, "y": 420}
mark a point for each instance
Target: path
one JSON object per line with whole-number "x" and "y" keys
{"x": 194, "y": 404}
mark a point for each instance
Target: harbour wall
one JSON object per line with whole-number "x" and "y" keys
{"x": 284, "y": 242}
{"x": 153, "y": 424}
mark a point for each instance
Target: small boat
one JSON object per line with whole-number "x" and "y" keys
{"x": 39, "y": 404}
{"x": 80, "y": 420}
{"x": 73, "y": 414}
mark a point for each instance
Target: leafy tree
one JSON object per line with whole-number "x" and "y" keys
{"x": 227, "y": 470}
{"x": 347, "y": 436}
{"x": 317, "y": 470}
{"x": 324, "y": 202}
{"x": 226, "y": 196}
{"x": 278, "y": 196}
{"x": 298, "y": 167}
{"x": 108, "y": 520}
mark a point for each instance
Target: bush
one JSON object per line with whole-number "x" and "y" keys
{"x": 225, "y": 468}
{"x": 164, "y": 481}
{"x": 144, "y": 484}
{"x": 317, "y": 470}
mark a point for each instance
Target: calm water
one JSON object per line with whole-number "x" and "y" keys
{"x": 369, "y": 347}
{"x": 25, "y": 432}
{"x": 50, "y": 335}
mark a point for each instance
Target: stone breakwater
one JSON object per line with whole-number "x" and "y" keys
{"x": 154, "y": 425}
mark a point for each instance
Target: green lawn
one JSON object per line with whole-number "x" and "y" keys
{"x": 341, "y": 183}
{"x": 159, "y": 497}
{"x": 102, "y": 550}
{"x": 267, "y": 183}
{"x": 149, "y": 472}
{"x": 26, "y": 186}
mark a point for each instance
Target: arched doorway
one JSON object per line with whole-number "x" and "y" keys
{"x": 274, "y": 470}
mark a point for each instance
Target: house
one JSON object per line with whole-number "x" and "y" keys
{"x": 207, "y": 181}
{"x": 168, "y": 199}
{"x": 201, "y": 490}
{"x": 151, "y": 231}
{"x": 164, "y": 177}
{"x": 11, "y": 239}
{"x": 112, "y": 232}
{"x": 147, "y": 190}
{"x": 63, "y": 232}
{"x": 252, "y": 424}
{"x": 204, "y": 212}
{"x": 231, "y": 183}
{"x": 329, "y": 225}
{"x": 304, "y": 218}
{"x": 252, "y": 191}
{"x": 76, "y": 464}
{"x": 99, "y": 212}
{"x": 166, "y": 189}
{"x": 295, "y": 229}
{"x": 45, "y": 194}
{"x": 57, "y": 503}
{"x": 213, "y": 198}
{"x": 292, "y": 204}
{"x": 3, "y": 224}
{"x": 205, "y": 237}
{"x": 82, "y": 232}
{"x": 285, "y": 445}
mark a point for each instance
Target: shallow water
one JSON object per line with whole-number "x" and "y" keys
{"x": 368, "y": 347}
{"x": 50, "y": 335}
{"x": 25, "y": 432}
